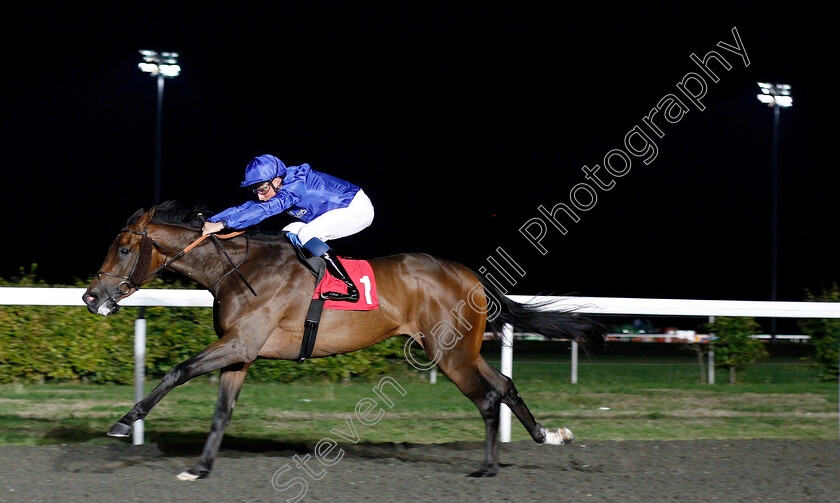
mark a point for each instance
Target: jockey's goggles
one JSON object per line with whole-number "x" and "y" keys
{"x": 261, "y": 188}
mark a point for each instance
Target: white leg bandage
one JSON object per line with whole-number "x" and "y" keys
{"x": 559, "y": 436}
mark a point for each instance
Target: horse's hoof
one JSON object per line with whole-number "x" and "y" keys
{"x": 559, "y": 436}
{"x": 192, "y": 475}
{"x": 485, "y": 471}
{"x": 120, "y": 430}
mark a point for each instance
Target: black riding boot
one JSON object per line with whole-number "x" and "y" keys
{"x": 337, "y": 269}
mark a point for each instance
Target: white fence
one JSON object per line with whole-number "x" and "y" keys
{"x": 23, "y": 296}
{"x": 590, "y": 305}
{"x": 659, "y": 307}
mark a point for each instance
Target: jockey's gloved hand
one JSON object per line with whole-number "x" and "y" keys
{"x": 212, "y": 227}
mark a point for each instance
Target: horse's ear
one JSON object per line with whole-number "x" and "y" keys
{"x": 145, "y": 218}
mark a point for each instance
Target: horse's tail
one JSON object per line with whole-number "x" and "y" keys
{"x": 535, "y": 318}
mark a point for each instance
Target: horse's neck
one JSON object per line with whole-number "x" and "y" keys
{"x": 206, "y": 264}
{"x": 174, "y": 239}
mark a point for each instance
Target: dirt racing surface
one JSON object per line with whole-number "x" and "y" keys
{"x": 684, "y": 471}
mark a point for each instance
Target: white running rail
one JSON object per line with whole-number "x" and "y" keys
{"x": 34, "y": 296}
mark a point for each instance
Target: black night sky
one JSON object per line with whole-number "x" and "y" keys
{"x": 459, "y": 119}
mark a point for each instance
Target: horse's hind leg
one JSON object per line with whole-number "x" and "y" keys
{"x": 488, "y": 401}
{"x": 540, "y": 434}
{"x": 488, "y": 389}
{"x": 230, "y": 384}
{"x": 510, "y": 397}
{"x": 487, "y": 395}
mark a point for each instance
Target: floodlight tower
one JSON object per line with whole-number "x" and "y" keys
{"x": 776, "y": 96}
{"x": 163, "y": 65}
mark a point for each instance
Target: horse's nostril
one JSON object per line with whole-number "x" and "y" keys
{"x": 91, "y": 299}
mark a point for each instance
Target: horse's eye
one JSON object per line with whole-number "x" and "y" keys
{"x": 123, "y": 251}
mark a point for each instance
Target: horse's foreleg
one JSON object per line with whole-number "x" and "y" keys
{"x": 230, "y": 384}
{"x": 222, "y": 353}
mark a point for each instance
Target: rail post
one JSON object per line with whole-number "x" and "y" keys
{"x": 711, "y": 357}
{"x": 507, "y": 370}
{"x": 139, "y": 369}
{"x": 711, "y": 367}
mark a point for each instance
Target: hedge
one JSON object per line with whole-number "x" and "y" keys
{"x": 824, "y": 334}
{"x": 49, "y": 343}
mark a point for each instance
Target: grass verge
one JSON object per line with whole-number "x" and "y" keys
{"x": 616, "y": 399}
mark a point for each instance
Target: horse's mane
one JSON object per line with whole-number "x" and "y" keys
{"x": 173, "y": 212}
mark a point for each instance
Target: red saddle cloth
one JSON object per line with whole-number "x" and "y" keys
{"x": 361, "y": 273}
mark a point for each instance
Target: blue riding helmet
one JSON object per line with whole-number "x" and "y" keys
{"x": 263, "y": 168}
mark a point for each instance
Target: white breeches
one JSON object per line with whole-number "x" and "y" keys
{"x": 336, "y": 223}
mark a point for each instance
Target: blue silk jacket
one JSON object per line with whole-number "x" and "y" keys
{"x": 305, "y": 194}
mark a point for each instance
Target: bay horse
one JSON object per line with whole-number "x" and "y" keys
{"x": 418, "y": 294}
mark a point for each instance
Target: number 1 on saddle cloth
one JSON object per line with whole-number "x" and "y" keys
{"x": 355, "y": 272}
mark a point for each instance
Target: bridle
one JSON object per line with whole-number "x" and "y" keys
{"x": 137, "y": 276}
{"x": 130, "y": 282}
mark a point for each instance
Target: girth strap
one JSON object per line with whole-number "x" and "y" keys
{"x": 313, "y": 314}
{"x": 318, "y": 268}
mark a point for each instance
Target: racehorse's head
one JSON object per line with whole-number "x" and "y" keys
{"x": 126, "y": 267}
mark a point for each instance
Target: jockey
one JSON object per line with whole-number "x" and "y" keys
{"x": 327, "y": 207}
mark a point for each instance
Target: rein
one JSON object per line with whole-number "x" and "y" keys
{"x": 221, "y": 248}
{"x": 187, "y": 249}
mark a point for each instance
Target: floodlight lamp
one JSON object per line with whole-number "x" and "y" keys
{"x": 163, "y": 64}
{"x": 784, "y": 101}
{"x": 149, "y": 68}
{"x": 775, "y": 95}
{"x": 765, "y": 98}
{"x": 170, "y": 70}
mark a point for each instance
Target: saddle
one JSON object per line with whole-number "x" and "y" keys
{"x": 361, "y": 273}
